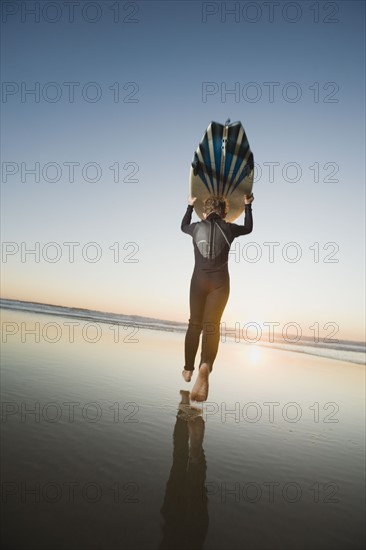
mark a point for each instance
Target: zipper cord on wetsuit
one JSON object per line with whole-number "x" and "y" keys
{"x": 212, "y": 229}
{"x": 223, "y": 234}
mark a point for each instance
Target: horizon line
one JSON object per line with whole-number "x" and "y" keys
{"x": 147, "y": 317}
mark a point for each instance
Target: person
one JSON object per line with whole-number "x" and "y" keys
{"x": 210, "y": 283}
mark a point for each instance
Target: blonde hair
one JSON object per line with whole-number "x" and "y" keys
{"x": 216, "y": 203}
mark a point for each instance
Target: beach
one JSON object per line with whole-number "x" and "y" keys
{"x": 276, "y": 455}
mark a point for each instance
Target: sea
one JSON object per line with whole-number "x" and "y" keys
{"x": 342, "y": 350}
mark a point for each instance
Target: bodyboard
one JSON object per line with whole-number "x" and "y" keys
{"x": 223, "y": 164}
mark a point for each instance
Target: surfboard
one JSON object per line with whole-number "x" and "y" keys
{"x": 223, "y": 164}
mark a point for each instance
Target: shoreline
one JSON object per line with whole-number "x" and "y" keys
{"x": 305, "y": 349}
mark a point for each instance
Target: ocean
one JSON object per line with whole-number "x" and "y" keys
{"x": 343, "y": 350}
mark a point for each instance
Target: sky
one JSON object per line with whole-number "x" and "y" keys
{"x": 103, "y": 105}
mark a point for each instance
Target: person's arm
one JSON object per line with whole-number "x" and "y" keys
{"x": 186, "y": 225}
{"x": 237, "y": 230}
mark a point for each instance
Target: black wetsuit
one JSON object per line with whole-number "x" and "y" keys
{"x": 210, "y": 283}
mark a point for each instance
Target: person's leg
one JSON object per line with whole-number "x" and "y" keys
{"x": 197, "y": 300}
{"x": 214, "y": 308}
{"x": 215, "y": 304}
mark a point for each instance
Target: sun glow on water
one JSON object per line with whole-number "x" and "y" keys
{"x": 254, "y": 354}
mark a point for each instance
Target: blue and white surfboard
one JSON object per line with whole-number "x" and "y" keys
{"x": 223, "y": 164}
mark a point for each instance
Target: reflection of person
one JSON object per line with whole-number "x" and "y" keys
{"x": 210, "y": 283}
{"x": 185, "y": 503}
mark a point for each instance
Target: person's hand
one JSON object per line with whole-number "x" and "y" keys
{"x": 191, "y": 200}
{"x": 248, "y": 199}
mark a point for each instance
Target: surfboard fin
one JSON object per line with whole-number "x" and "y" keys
{"x": 195, "y": 164}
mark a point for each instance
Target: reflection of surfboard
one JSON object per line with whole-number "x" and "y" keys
{"x": 223, "y": 164}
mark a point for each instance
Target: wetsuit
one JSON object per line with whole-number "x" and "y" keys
{"x": 210, "y": 283}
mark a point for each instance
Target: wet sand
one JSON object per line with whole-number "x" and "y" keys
{"x": 106, "y": 460}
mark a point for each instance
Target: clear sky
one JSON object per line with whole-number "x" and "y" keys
{"x": 136, "y": 89}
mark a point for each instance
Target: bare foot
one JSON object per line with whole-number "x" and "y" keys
{"x": 187, "y": 375}
{"x": 200, "y": 389}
